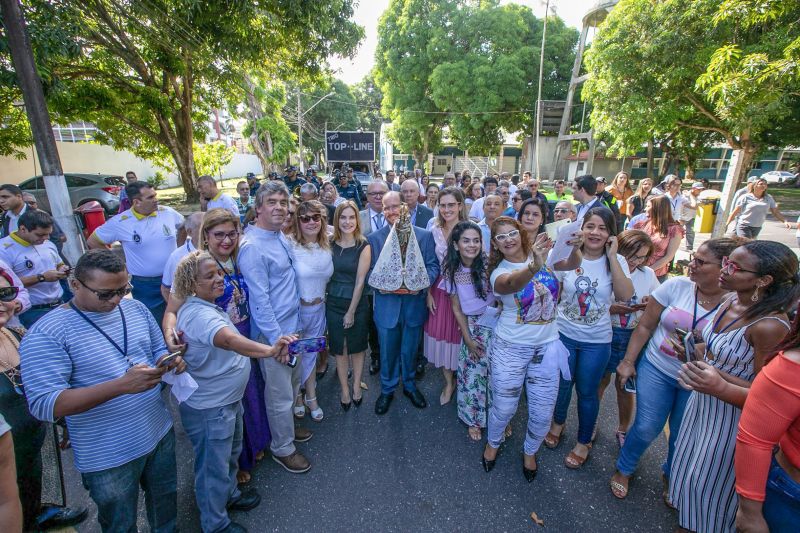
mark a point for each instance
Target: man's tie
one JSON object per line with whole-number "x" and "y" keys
{"x": 378, "y": 219}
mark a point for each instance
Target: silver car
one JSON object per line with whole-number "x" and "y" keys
{"x": 103, "y": 188}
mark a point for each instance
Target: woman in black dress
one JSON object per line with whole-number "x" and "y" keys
{"x": 346, "y": 304}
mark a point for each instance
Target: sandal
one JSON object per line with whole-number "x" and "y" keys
{"x": 242, "y": 477}
{"x": 665, "y": 493}
{"x": 619, "y": 490}
{"x": 574, "y": 461}
{"x": 621, "y": 438}
{"x": 316, "y": 414}
{"x": 507, "y": 431}
{"x": 551, "y": 440}
{"x": 299, "y": 410}
{"x": 474, "y": 433}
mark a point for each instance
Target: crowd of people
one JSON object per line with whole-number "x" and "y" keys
{"x": 238, "y": 306}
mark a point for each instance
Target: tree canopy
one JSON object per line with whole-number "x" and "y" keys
{"x": 470, "y": 66}
{"x": 149, "y": 72}
{"x": 368, "y": 96}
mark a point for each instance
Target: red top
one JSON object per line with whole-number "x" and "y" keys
{"x": 660, "y": 243}
{"x": 771, "y": 415}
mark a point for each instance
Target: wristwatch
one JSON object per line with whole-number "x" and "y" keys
{"x": 39, "y": 278}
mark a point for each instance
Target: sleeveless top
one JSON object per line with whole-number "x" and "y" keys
{"x": 345, "y": 270}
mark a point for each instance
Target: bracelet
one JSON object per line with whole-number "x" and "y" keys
{"x": 626, "y": 361}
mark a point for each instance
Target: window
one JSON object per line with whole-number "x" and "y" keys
{"x": 441, "y": 162}
{"x": 31, "y": 184}
{"x": 77, "y": 181}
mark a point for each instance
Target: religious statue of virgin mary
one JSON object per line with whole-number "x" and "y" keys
{"x": 400, "y": 268}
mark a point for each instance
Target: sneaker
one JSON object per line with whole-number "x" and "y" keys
{"x": 294, "y": 463}
{"x": 302, "y": 434}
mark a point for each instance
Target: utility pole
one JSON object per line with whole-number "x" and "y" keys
{"x": 300, "y": 129}
{"x": 538, "y": 118}
{"x": 43, "y": 138}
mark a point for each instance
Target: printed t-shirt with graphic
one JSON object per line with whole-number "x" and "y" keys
{"x": 644, "y": 283}
{"x": 28, "y": 259}
{"x": 147, "y": 240}
{"x": 586, "y": 295}
{"x": 677, "y": 296}
{"x": 529, "y": 315}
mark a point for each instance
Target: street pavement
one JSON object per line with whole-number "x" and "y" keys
{"x": 416, "y": 470}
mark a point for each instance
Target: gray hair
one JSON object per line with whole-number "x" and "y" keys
{"x": 28, "y": 197}
{"x": 448, "y": 174}
{"x": 308, "y": 188}
{"x": 504, "y": 183}
{"x": 270, "y": 188}
{"x": 379, "y": 182}
{"x": 206, "y": 179}
{"x": 568, "y": 205}
{"x": 193, "y": 221}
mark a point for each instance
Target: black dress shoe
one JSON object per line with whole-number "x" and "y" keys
{"x": 374, "y": 366}
{"x": 357, "y": 403}
{"x": 55, "y": 516}
{"x": 487, "y": 464}
{"x": 321, "y": 375}
{"x": 248, "y": 501}
{"x": 420, "y": 370}
{"x": 383, "y": 403}
{"x": 417, "y": 399}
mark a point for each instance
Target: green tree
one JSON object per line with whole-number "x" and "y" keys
{"x": 648, "y": 78}
{"x": 336, "y": 112}
{"x": 150, "y": 72}
{"x": 270, "y": 137}
{"x": 211, "y": 158}
{"x": 369, "y": 97}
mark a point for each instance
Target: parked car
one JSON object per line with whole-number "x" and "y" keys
{"x": 778, "y": 176}
{"x": 103, "y": 188}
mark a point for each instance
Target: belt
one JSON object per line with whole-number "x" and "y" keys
{"x": 147, "y": 278}
{"x": 46, "y": 306}
{"x": 315, "y": 301}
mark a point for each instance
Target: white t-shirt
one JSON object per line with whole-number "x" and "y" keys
{"x": 476, "y": 211}
{"x": 586, "y": 294}
{"x": 172, "y": 263}
{"x": 223, "y": 201}
{"x": 529, "y": 315}
{"x": 147, "y": 241}
{"x": 677, "y": 296}
{"x": 644, "y": 283}
{"x": 676, "y": 204}
{"x": 27, "y": 259}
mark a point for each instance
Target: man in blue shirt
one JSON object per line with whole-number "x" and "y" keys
{"x": 266, "y": 262}
{"x": 95, "y": 361}
{"x": 292, "y": 180}
{"x": 347, "y": 190}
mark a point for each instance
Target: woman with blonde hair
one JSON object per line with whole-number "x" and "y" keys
{"x": 314, "y": 267}
{"x": 219, "y": 236}
{"x": 636, "y": 203}
{"x": 442, "y": 339}
{"x": 621, "y": 190}
{"x": 665, "y": 232}
{"x": 346, "y": 307}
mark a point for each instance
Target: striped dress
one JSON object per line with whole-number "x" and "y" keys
{"x": 702, "y": 483}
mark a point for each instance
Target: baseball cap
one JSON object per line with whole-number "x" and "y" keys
{"x": 752, "y": 179}
{"x": 698, "y": 185}
{"x": 600, "y": 179}
{"x": 291, "y": 168}
{"x": 250, "y": 175}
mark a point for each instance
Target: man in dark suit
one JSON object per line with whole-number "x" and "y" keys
{"x": 372, "y": 220}
{"x": 420, "y": 214}
{"x": 400, "y": 317}
{"x": 13, "y": 206}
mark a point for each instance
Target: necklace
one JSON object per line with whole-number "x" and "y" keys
{"x": 11, "y": 372}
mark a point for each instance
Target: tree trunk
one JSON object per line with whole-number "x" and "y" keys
{"x": 650, "y": 159}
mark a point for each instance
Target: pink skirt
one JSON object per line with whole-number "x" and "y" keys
{"x": 442, "y": 340}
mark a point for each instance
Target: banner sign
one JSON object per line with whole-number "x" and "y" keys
{"x": 347, "y": 146}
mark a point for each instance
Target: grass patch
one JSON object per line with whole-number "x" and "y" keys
{"x": 788, "y": 198}
{"x": 175, "y": 198}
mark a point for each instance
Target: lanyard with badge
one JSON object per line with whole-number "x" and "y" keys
{"x": 239, "y": 297}
{"x": 124, "y": 349}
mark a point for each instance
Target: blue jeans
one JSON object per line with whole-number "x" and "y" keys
{"x": 115, "y": 491}
{"x": 782, "y": 505}
{"x": 398, "y": 353}
{"x": 216, "y": 436}
{"x": 619, "y": 344}
{"x": 587, "y": 365}
{"x": 658, "y": 398}
{"x": 148, "y": 291}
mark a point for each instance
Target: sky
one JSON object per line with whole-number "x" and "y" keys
{"x": 368, "y": 12}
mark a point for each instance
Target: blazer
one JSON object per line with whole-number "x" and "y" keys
{"x": 388, "y": 308}
{"x": 424, "y": 214}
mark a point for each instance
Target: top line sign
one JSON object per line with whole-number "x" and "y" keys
{"x": 345, "y": 146}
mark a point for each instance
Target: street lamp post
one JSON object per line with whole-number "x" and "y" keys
{"x": 300, "y": 115}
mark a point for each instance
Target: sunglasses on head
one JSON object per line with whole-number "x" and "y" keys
{"x": 106, "y": 295}
{"x": 305, "y": 219}
{"x": 8, "y": 294}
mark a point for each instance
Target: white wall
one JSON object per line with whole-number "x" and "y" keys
{"x": 103, "y": 159}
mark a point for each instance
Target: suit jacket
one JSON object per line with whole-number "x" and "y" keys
{"x": 424, "y": 214}
{"x": 5, "y": 222}
{"x": 412, "y": 307}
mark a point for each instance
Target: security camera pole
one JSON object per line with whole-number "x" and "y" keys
{"x": 43, "y": 138}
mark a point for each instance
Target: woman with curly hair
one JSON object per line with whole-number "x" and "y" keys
{"x": 465, "y": 278}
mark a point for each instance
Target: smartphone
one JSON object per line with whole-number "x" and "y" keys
{"x": 630, "y": 385}
{"x": 311, "y": 344}
{"x": 292, "y": 361}
{"x": 168, "y": 358}
{"x": 176, "y": 337}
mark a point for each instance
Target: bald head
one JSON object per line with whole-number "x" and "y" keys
{"x": 410, "y": 192}
{"x": 192, "y": 225}
{"x": 391, "y": 207}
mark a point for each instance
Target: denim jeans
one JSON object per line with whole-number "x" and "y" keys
{"x": 216, "y": 436}
{"x": 31, "y": 316}
{"x": 748, "y": 232}
{"x": 115, "y": 491}
{"x": 658, "y": 398}
{"x": 782, "y": 505}
{"x": 587, "y": 365}
{"x": 619, "y": 344}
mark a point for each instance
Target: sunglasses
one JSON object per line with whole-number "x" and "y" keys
{"x": 502, "y": 237}
{"x": 305, "y": 219}
{"x": 8, "y": 294}
{"x": 106, "y": 295}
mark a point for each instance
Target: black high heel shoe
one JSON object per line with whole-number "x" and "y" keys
{"x": 487, "y": 464}
{"x": 529, "y": 474}
{"x": 357, "y": 403}
{"x": 346, "y": 406}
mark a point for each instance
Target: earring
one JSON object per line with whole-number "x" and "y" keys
{"x": 754, "y": 297}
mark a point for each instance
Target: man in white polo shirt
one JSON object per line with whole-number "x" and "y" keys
{"x": 35, "y": 260}
{"x": 149, "y": 233}
{"x": 214, "y": 198}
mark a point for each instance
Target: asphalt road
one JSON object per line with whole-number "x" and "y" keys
{"x": 416, "y": 470}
